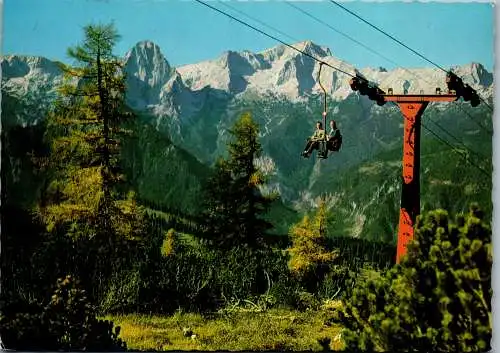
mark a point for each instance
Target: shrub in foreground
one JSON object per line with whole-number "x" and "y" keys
{"x": 438, "y": 299}
{"x": 66, "y": 323}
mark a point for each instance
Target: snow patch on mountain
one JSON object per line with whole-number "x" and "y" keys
{"x": 33, "y": 82}
{"x": 175, "y": 96}
{"x": 426, "y": 80}
{"x": 282, "y": 71}
{"x": 24, "y": 74}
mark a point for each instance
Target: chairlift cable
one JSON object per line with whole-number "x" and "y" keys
{"x": 257, "y": 20}
{"x": 321, "y": 61}
{"x": 454, "y": 149}
{"x": 388, "y": 59}
{"x": 386, "y": 34}
{"x": 289, "y": 3}
{"x": 399, "y": 42}
{"x": 274, "y": 38}
{"x": 456, "y": 139}
{"x": 475, "y": 120}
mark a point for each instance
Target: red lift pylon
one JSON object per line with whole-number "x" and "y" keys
{"x": 412, "y": 106}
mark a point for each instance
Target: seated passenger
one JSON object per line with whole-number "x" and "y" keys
{"x": 334, "y": 137}
{"x": 313, "y": 142}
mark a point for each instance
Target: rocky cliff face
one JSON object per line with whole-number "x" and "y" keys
{"x": 156, "y": 87}
{"x": 147, "y": 73}
{"x": 19, "y": 69}
{"x": 32, "y": 81}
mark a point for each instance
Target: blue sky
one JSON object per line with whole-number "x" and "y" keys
{"x": 188, "y": 32}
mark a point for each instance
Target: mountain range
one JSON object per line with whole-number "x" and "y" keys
{"x": 189, "y": 109}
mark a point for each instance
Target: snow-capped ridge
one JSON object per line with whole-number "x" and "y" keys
{"x": 283, "y": 71}
{"x": 16, "y": 66}
{"x": 154, "y": 85}
{"x": 284, "y": 52}
{"x": 314, "y": 49}
{"x": 474, "y": 74}
{"x": 279, "y": 70}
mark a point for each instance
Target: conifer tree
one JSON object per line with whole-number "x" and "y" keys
{"x": 234, "y": 203}
{"x": 309, "y": 256}
{"x": 86, "y": 197}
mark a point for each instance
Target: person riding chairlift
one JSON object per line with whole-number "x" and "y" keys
{"x": 334, "y": 137}
{"x": 313, "y": 142}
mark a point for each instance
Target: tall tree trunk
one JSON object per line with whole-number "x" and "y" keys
{"x": 105, "y": 121}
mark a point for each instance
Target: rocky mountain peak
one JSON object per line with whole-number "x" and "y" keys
{"x": 314, "y": 49}
{"x": 283, "y": 52}
{"x": 16, "y": 66}
{"x": 240, "y": 63}
{"x": 280, "y": 68}
{"x": 154, "y": 85}
{"x": 30, "y": 76}
{"x": 474, "y": 74}
{"x": 147, "y": 63}
{"x": 147, "y": 72}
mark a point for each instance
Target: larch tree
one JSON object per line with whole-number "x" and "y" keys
{"x": 86, "y": 197}
{"x": 309, "y": 255}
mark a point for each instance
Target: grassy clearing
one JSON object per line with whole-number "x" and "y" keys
{"x": 276, "y": 329}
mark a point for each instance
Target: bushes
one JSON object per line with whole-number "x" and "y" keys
{"x": 335, "y": 282}
{"x": 123, "y": 292}
{"x": 438, "y": 299}
{"x": 66, "y": 322}
{"x": 237, "y": 274}
{"x": 197, "y": 278}
{"x": 179, "y": 271}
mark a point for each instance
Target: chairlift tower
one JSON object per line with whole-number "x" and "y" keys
{"x": 412, "y": 107}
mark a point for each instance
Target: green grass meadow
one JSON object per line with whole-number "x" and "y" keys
{"x": 271, "y": 330}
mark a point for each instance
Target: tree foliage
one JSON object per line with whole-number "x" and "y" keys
{"x": 234, "y": 202}
{"x": 84, "y": 132}
{"x": 87, "y": 204}
{"x": 309, "y": 255}
{"x": 437, "y": 300}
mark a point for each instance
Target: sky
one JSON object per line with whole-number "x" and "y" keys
{"x": 189, "y": 32}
